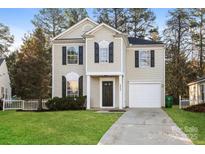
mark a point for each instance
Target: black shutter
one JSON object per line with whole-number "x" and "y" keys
{"x": 152, "y": 58}
{"x": 80, "y": 86}
{"x": 96, "y": 52}
{"x": 111, "y": 56}
{"x": 136, "y": 58}
{"x": 64, "y": 55}
{"x": 63, "y": 86}
{"x": 80, "y": 55}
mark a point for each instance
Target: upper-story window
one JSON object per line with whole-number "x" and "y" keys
{"x": 104, "y": 51}
{"x": 72, "y": 53}
{"x": 144, "y": 58}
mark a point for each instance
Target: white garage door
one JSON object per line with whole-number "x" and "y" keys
{"x": 144, "y": 95}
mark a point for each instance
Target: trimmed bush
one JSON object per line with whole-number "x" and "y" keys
{"x": 1, "y": 104}
{"x": 66, "y": 103}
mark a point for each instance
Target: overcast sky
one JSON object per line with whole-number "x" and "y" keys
{"x": 19, "y": 21}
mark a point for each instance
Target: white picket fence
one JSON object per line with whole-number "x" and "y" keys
{"x": 22, "y": 104}
{"x": 183, "y": 103}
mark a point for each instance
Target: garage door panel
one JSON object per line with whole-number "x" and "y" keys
{"x": 144, "y": 95}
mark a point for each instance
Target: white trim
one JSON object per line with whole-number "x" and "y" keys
{"x": 66, "y": 43}
{"x": 164, "y": 80}
{"x": 53, "y": 71}
{"x": 122, "y": 64}
{"x": 124, "y": 92}
{"x": 102, "y": 24}
{"x": 107, "y": 79}
{"x": 88, "y": 92}
{"x": 145, "y": 46}
{"x": 104, "y": 73}
{"x": 120, "y": 92}
{"x": 69, "y": 29}
{"x": 71, "y": 76}
{"x": 143, "y": 82}
{"x": 86, "y": 46}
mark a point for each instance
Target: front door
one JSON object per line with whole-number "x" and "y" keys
{"x": 107, "y": 93}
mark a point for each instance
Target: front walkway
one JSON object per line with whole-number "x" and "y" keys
{"x": 144, "y": 126}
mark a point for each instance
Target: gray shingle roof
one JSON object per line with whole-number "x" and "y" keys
{"x": 139, "y": 41}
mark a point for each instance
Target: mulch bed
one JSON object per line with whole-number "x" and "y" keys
{"x": 32, "y": 110}
{"x": 196, "y": 108}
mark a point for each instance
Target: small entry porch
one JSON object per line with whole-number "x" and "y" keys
{"x": 105, "y": 91}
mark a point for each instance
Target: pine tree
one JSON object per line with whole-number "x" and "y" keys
{"x": 198, "y": 35}
{"x": 6, "y": 39}
{"x": 140, "y": 22}
{"x": 32, "y": 68}
{"x": 178, "y": 46}
{"x": 75, "y": 15}
{"x": 51, "y": 20}
{"x": 115, "y": 17}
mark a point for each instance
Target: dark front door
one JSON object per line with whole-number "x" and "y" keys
{"x": 107, "y": 93}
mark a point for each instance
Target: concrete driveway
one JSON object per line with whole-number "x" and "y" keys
{"x": 144, "y": 126}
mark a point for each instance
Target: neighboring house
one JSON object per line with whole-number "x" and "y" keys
{"x": 5, "y": 88}
{"x": 197, "y": 91}
{"x": 110, "y": 68}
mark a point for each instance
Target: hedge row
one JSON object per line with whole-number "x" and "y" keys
{"x": 66, "y": 103}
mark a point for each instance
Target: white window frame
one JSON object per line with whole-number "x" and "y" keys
{"x": 77, "y": 48}
{"x": 140, "y": 58}
{"x": 72, "y": 76}
{"x": 103, "y": 48}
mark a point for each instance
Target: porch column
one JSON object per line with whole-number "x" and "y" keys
{"x": 120, "y": 92}
{"x": 124, "y": 91}
{"x": 88, "y": 91}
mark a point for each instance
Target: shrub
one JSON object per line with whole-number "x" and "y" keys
{"x": 66, "y": 103}
{"x": 1, "y": 104}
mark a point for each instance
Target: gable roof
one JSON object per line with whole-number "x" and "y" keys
{"x": 100, "y": 25}
{"x": 199, "y": 80}
{"x": 1, "y": 61}
{"x": 69, "y": 29}
{"x": 139, "y": 41}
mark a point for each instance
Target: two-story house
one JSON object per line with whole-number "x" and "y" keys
{"x": 110, "y": 68}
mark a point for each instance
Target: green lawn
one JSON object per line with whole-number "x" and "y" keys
{"x": 63, "y": 127}
{"x": 192, "y": 123}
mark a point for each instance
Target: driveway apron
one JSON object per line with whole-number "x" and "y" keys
{"x": 144, "y": 126}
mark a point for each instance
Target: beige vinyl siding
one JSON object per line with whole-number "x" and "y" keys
{"x": 78, "y": 31}
{"x": 150, "y": 74}
{"x": 61, "y": 70}
{"x": 195, "y": 95}
{"x": 107, "y": 35}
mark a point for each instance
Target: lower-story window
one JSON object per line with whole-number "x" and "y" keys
{"x": 72, "y": 88}
{"x": 202, "y": 92}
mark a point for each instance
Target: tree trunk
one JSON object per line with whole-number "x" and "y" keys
{"x": 201, "y": 50}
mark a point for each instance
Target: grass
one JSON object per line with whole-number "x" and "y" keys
{"x": 192, "y": 123}
{"x": 63, "y": 127}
